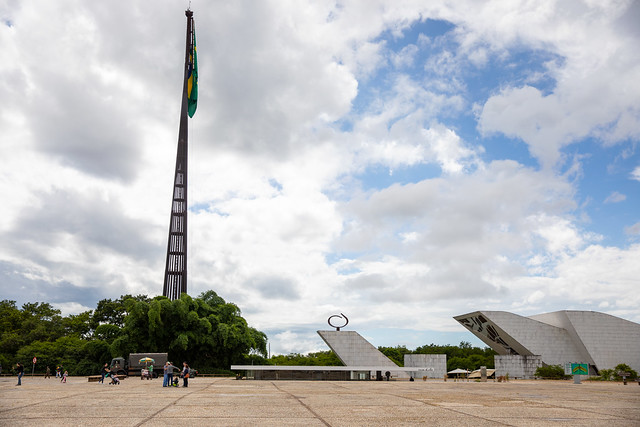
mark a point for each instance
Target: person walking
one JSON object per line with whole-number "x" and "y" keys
{"x": 20, "y": 370}
{"x": 185, "y": 374}
{"x": 103, "y": 372}
{"x": 47, "y": 373}
{"x": 57, "y": 371}
{"x": 64, "y": 377}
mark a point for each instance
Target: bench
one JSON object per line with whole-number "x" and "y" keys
{"x": 96, "y": 378}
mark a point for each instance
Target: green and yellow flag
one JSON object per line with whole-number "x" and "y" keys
{"x": 192, "y": 79}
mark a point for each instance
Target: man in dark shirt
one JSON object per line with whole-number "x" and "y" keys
{"x": 20, "y": 370}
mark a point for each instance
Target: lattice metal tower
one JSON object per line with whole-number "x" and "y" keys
{"x": 175, "y": 274}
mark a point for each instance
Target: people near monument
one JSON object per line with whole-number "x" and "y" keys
{"x": 47, "y": 373}
{"x": 103, "y": 372}
{"x": 20, "y": 371}
{"x": 64, "y": 377}
{"x": 185, "y": 374}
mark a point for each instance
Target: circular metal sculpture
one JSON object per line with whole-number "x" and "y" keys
{"x": 340, "y": 316}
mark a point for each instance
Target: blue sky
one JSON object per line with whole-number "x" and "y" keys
{"x": 399, "y": 162}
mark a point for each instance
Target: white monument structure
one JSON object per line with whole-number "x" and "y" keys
{"x": 362, "y": 361}
{"x": 568, "y": 336}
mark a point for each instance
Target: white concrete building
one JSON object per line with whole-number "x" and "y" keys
{"x": 601, "y": 340}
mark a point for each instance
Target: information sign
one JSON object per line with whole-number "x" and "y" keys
{"x": 579, "y": 369}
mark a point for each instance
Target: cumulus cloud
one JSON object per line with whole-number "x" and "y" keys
{"x": 597, "y": 59}
{"x": 301, "y": 105}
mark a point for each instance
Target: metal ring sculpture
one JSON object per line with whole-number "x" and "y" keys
{"x": 340, "y": 317}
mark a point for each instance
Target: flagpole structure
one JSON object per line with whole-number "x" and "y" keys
{"x": 175, "y": 274}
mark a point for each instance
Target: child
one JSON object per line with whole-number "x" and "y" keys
{"x": 64, "y": 377}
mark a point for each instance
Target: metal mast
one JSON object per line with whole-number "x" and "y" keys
{"x": 175, "y": 274}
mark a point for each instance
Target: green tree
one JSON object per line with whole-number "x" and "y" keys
{"x": 464, "y": 356}
{"x": 623, "y": 367}
{"x": 395, "y": 353}
{"x": 322, "y": 358}
{"x": 206, "y": 331}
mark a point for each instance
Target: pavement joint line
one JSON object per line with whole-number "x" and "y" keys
{"x": 449, "y": 409}
{"x": 303, "y": 404}
{"x": 525, "y": 399}
{"x": 175, "y": 402}
{"x": 42, "y": 401}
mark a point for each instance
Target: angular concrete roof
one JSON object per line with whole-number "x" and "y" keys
{"x": 353, "y": 350}
{"x": 559, "y": 337}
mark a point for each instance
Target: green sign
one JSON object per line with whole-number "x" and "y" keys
{"x": 579, "y": 369}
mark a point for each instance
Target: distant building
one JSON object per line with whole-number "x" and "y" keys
{"x": 601, "y": 340}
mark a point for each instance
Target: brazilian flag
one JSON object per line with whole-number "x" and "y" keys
{"x": 192, "y": 79}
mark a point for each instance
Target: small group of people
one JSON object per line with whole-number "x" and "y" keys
{"x": 169, "y": 381}
{"x": 106, "y": 372}
{"x": 59, "y": 374}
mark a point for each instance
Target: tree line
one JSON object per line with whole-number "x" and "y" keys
{"x": 464, "y": 356}
{"x": 206, "y": 331}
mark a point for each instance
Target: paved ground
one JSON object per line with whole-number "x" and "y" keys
{"x": 217, "y": 401}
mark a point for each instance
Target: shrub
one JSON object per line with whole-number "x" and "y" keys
{"x": 624, "y": 368}
{"x": 550, "y": 371}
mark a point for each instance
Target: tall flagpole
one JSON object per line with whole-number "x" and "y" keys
{"x": 175, "y": 274}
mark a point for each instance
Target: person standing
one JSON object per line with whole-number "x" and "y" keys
{"x": 47, "y": 373}
{"x": 20, "y": 370}
{"x": 169, "y": 370}
{"x": 64, "y": 377}
{"x": 185, "y": 374}
{"x": 165, "y": 379}
{"x": 151, "y": 371}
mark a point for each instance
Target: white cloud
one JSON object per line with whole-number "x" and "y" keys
{"x": 615, "y": 197}
{"x": 598, "y": 58}
{"x": 298, "y": 101}
{"x": 633, "y": 230}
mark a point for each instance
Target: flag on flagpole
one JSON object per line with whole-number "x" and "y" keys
{"x": 192, "y": 80}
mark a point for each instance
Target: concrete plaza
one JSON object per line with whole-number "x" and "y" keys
{"x": 228, "y": 402}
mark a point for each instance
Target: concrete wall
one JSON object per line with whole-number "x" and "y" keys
{"x": 607, "y": 339}
{"x": 517, "y": 366}
{"x": 436, "y": 361}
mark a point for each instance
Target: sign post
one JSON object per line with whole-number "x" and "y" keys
{"x": 33, "y": 368}
{"x": 579, "y": 369}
